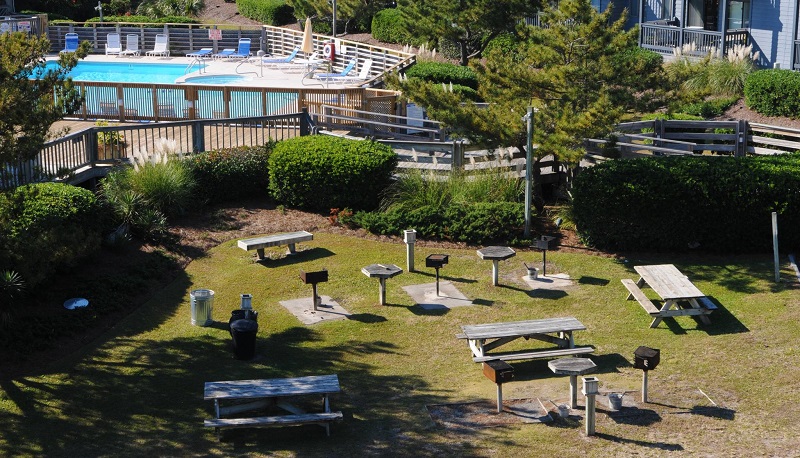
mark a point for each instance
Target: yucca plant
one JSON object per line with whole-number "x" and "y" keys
{"x": 12, "y": 288}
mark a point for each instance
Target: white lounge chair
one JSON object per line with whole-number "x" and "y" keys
{"x": 131, "y": 45}
{"x": 160, "y": 48}
{"x": 281, "y": 60}
{"x": 113, "y": 44}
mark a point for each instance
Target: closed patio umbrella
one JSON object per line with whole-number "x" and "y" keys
{"x": 308, "y": 43}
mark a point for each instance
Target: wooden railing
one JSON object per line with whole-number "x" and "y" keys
{"x": 172, "y": 102}
{"x": 728, "y": 138}
{"x": 89, "y": 153}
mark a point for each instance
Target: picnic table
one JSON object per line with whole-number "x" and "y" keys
{"x": 483, "y": 338}
{"x": 264, "y": 393}
{"x": 674, "y": 288}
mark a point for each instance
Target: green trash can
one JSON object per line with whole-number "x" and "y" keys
{"x": 202, "y": 301}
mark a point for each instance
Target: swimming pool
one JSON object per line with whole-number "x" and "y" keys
{"x": 125, "y": 72}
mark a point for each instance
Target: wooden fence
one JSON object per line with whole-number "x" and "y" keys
{"x": 727, "y": 138}
{"x": 87, "y": 154}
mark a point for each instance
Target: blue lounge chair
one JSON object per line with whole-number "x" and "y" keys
{"x": 225, "y": 53}
{"x": 70, "y": 42}
{"x": 281, "y": 60}
{"x": 333, "y": 76}
{"x": 244, "y": 49}
{"x": 203, "y": 52}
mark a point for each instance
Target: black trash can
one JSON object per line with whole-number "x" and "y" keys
{"x": 242, "y": 315}
{"x": 244, "y": 333}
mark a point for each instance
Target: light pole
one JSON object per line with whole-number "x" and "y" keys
{"x": 334, "y": 18}
{"x": 528, "y": 118}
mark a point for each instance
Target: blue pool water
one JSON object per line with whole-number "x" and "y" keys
{"x": 215, "y": 79}
{"x": 125, "y": 72}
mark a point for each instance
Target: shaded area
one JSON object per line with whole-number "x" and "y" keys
{"x": 654, "y": 445}
{"x": 302, "y": 254}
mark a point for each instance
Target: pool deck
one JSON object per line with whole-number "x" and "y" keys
{"x": 256, "y": 76}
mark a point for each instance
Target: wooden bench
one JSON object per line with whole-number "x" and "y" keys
{"x": 289, "y": 238}
{"x": 638, "y": 294}
{"x": 323, "y": 419}
{"x": 707, "y": 304}
{"x": 535, "y": 354}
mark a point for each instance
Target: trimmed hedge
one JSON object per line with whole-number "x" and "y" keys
{"x": 438, "y": 72}
{"x": 270, "y": 12}
{"x": 47, "y": 226}
{"x": 231, "y": 174}
{"x": 477, "y": 223}
{"x": 389, "y": 26}
{"x": 147, "y": 19}
{"x": 773, "y": 92}
{"x": 319, "y": 172}
{"x": 716, "y": 204}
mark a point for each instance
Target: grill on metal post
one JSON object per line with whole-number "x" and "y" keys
{"x": 646, "y": 359}
{"x": 543, "y": 243}
{"x": 313, "y": 278}
{"x": 436, "y": 261}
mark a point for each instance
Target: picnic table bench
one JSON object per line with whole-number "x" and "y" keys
{"x": 673, "y": 287}
{"x": 482, "y": 338}
{"x": 289, "y": 238}
{"x": 260, "y": 394}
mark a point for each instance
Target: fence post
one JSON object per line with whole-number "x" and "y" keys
{"x": 91, "y": 146}
{"x": 305, "y": 124}
{"x": 457, "y": 153}
{"x": 742, "y": 127}
{"x": 658, "y": 131}
{"x": 199, "y": 140}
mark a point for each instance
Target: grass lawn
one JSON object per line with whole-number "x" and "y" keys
{"x": 726, "y": 389}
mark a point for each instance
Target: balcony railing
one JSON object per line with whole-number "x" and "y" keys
{"x": 662, "y": 38}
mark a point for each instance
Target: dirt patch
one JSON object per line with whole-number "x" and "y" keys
{"x": 740, "y": 111}
{"x": 483, "y": 414}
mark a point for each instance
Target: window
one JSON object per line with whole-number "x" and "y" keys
{"x": 738, "y": 14}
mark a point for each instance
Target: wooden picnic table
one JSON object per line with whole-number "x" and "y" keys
{"x": 673, "y": 287}
{"x": 264, "y": 393}
{"x": 482, "y": 338}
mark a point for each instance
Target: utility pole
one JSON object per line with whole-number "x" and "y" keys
{"x": 528, "y": 118}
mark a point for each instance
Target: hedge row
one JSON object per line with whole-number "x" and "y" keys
{"x": 438, "y": 72}
{"x": 45, "y": 227}
{"x": 773, "y": 92}
{"x": 717, "y": 204}
{"x": 270, "y": 12}
{"x": 231, "y": 174}
{"x": 319, "y": 172}
{"x": 147, "y": 20}
{"x": 478, "y": 223}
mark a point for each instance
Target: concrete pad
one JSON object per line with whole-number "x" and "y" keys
{"x": 550, "y": 282}
{"x": 303, "y": 309}
{"x": 425, "y": 296}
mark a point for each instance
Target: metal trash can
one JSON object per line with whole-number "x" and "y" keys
{"x": 244, "y": 333}
{"x": 202, "y": 303}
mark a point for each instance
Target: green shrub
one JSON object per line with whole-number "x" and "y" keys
{"x": 47, "y": 226}
{"x": 676, "y": 116}
{"x": 389, "y": 26}
{"x": 147, "y": 20}
{"x": 438, "y": 72}
{"x": 506, "y": 44}
{"x": 718, "y": 204}
{"x": 230, "y": 174}
{"x": 477, "y": 223}
{"x": 773, "y": 92}
{"x": 320, "y": 172}
{"x": 270, "y": 12}
{"x": 707, "y": 108}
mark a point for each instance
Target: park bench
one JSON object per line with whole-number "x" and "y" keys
{"x": 321, "y": 418}
{"x": 556, "y": 353}
{"x": 289, "y": 238}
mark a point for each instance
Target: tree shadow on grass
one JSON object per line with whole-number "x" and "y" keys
{"x": 149, "y": 392}
{"x": 653, "y": 445}
{"x": 304, "y": 255}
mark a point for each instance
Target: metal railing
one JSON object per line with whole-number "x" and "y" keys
{"x": 88, "y": 153}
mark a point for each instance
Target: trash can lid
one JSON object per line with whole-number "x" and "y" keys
{"x": 244, "y": 325}
{"x": 202, "y": 293}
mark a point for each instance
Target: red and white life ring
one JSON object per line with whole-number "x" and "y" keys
{"x": 329, "y": 51}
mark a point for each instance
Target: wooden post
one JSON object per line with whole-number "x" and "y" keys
{"x": 590, "y": 417}
{"x": 775, "y": 247}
